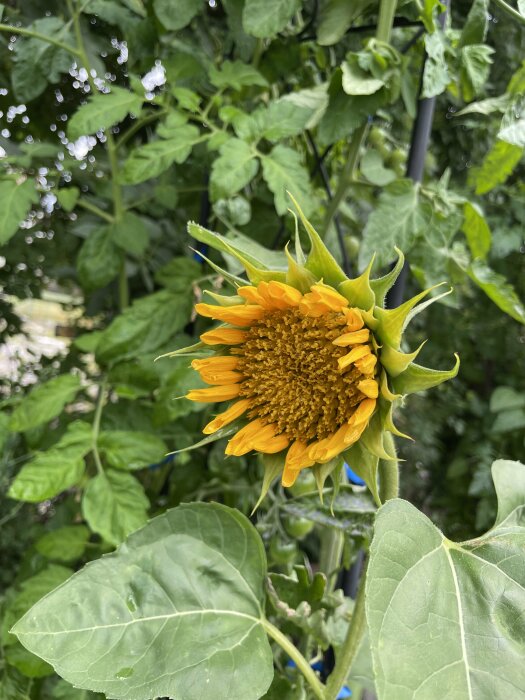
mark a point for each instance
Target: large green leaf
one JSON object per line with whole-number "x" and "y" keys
{"x": 497, "y": 288}
{"x": 448, "y": 615}
{"x": 16, "y": 197}
{"x": 498, "y": 164}
{"x": 284, "y": 172}
{"x": 176, "y": 14}
{"x": 104, "y": 110}
{"x": 154, "y": 158}
{"x": 114, "y": 505}
{"x": 129, "y": 449}
{"x": 264, "y": 18}
{"x": 99, "y": 260}
{"x": 180, "y": 613}
{"x": 399, "y": 218}
{"x": 235, "y": 167}
{"x": 45, "y": 402}
{"x": 57, "y": 469}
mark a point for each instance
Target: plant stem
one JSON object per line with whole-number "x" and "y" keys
{"x": 96, "y": 426}
{"x": 387, "y": 10}
{"x": 138, "y": 125}
{"x": 510, "y": 11}
{"x": 296, "y": 656}
{"x": 96, "y": 210}
{"x": 350, "y": 646}
{"x": 332, "y": 543}
{"x": 38, "y": 35}
{"x": 389, "y": 472}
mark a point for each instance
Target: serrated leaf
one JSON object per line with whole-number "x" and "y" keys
{"x": 103, "y": 110}
{"x": 498, "y": 164}
{"x": 44, "y": 402}
{"x": 283, "y": 171}
{"x": 436, "y": 76}
{"x": 181, "y": 613}
{"x": 16, "y": 198}
{"x": 425, "y": 592}
{"x": 176, "y": 14}
{"x": 235, "y": 167}
{"x": 51, "y": 472}
{"x": 131, "y": 449}
{"x": 114, "y": 505}
{"x": 498, "y": 289}
{"x": 475, "y": 62}
{"x": 154, "y": 158}
{"x": 236, "y": 74}
{"x": 99, "y": 260}
{"x": 265, "y": 18}
{"x": 474, "y": 30}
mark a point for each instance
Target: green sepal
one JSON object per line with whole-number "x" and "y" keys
{"x": 188, "y": 350}
{"x": 323, "y": 471}
{"x": 372, "y": 438}
{"x": 217, "y": 435}
{"x": 417, "y": 378}
{"x": 387, "y": 410}
{"x": 222, "y": 300}
{"x": 358, "y": 291}
{"x": 298, "y": 276}
{"x": 364, "y": 464}
{"x": 320, "y": 261}
{"x": 234, "y": 280}
{"x": 392, "y": 322}
{"x": 384, "y": 389}
{"x": 395, "y": 361}
{"x": 369, "y": 318}
{"x": 382, "y": 285}
{"x": 273, "y": 466}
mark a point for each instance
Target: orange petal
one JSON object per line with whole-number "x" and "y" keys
{"x": 284, "y": 293}
{"x": 353, "y": 338}
{"x": 354, "y": 320}
{"x": 243, "y": 441}
{"x": 218, "y": 362}
{"x": 232, "y": 413}
{"x": 272, "y": 445}
{"x": 224, "y": 336}
{"x": 363, "y": 412}
{"x": 356, "y": 354}
{"x": 369, "y": 387}
{"x": 214, "y": 393}
{"x": 366, "y": 365}
{"x": 212, "y": 376}
{"x": 237, "y": 315}
{"x": 252, "y": 295}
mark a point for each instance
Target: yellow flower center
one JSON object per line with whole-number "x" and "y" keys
{"x": 291, "y": 375}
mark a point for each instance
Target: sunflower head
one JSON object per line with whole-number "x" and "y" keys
{"x": 309, "y": 361}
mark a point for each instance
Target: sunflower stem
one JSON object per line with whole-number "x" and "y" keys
{"x": 332, "y": 542}
{"x": 389, "y": 472}
{"x": 293, "y": 652}
{"x": 348, "y": 651}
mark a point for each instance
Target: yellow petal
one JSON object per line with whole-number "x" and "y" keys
{"x": 285, "y": 293}
{"x": 369, "y": 387}
{"x": 232, "y": 413}
{"x": 312, "y": 308}
{"x": 212, "y": 376}
{"x": 242, "y": 441}
{"x": 215, "y": 393}
{"x": 327, "y": 295}
{"x": 354, "y": 320}
{"x": 224, "y": 336}
{"x": 289, "y": 476}
{"x": 252, "y": 294}
{"x": 363, "y": 412}
{"x": 272, "y": 445}
{"x": 356, "y": 354}
{"x": 366, "y": 365}
{"x": 352, "y": 338}
{"x": 217, "y": 362}
{"x": 238, "y": 315}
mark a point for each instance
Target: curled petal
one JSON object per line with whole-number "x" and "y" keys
{"x": 224, "y": 336}
{"x": 252, "y": 295}
{"x": 352, "y": 338}
{"x": 212, "y": 376}
{"x": 367, "y": 364}
{"x": 217, "y": 362}
{"x": 356, "y": 354}
{"x": 369, "y": 387}
{"x": 238, "y": 315}
{"x": 354, "y": 320}
{"x": 232, "y": 413}
{"x": 214, "y": 393}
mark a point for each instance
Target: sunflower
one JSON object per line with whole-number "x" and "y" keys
{"x": 309, "y": 360}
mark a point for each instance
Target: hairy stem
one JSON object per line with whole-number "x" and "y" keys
{"x": 389, "y": 472}
{"x": 96, "y": 426}
{"x": 95, "y": 210}
{"x": 510, "y": 11}
{"x": 332, "y": 543}
{"x": 350, "y": 646}
{"x": 296, "y": 656}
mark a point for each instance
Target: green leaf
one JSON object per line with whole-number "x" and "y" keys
{"x": 504, "y": 398}
{"x": 283, "y": 171}
{"x": 336, "y": 17}
{"x": 16, "y": 198}
{"x": 154, "y": 158}
{"x": 45, "y": 402}
{"x": 131, "y": 449}
{"x": 512, "y": 129}
{"x": 114, "y": 505}
{"x": 475, "y": 62}
{"x": 57, "y": 469}
{"x": 373, "y": 169}
{"x": 176, "y": 14}
{"x": 65, "y": 544}
{"x": 357, "y": 81}
{"x": 436, "y": 77}
{"x": 285, "y": 118}
{"x": 104, "y": 110}
{"x": 236, "y": 74}
{"x": 475, "y": 28}
{"x": 498, "y": 164}
{"x": 462, "y": 603}
{"x": 68, "y": 197}
{"x": 265, "y": 18}
{"x": 353, "y": 513}
{"x": 131, "y": 234}
{"x": 498, "y": 289}
{"x": 99, "y": 260}
{"x": 181, "y": 613}
{"x": 179, "y": 274}
{"x": 399, "y": 218}
{"x": 476, "y": 230}
{"x": 144, "y": 326}
{"x": 233, "y": 169}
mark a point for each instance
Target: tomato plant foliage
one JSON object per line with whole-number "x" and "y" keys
{"x": 122, "y": 120}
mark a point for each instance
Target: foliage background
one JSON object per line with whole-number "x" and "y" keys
{"x": 165, "y": 112}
